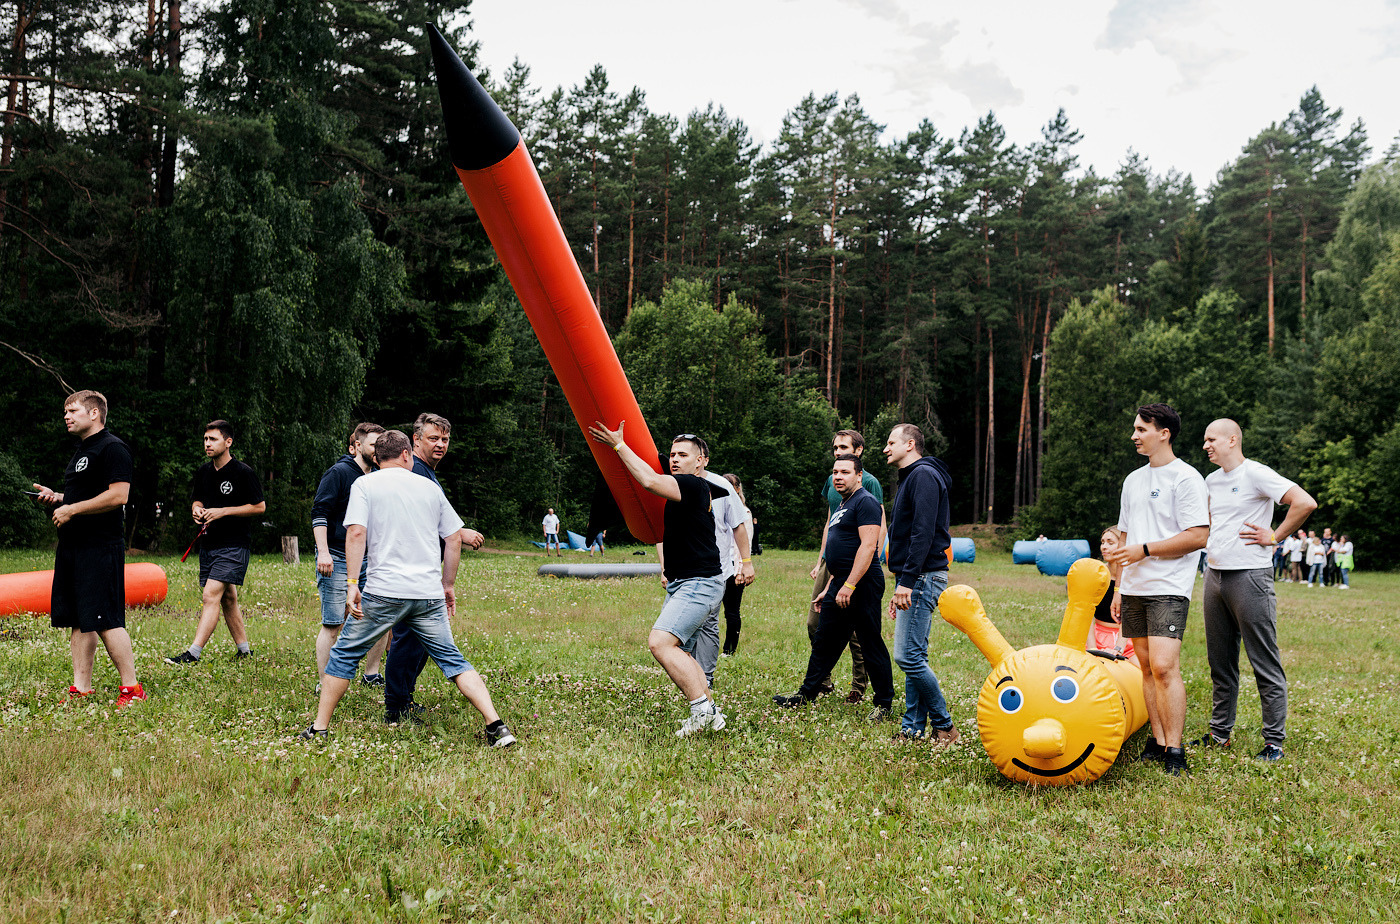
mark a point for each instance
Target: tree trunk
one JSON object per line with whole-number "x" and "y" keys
{"x": 991, "y": 423}
{"x": 166, "y": 187}
{"x": 976, "y": 417}
{"x": 24, "y": 16}
{"x": 1303, "y": 278}
{"x": 831, "y": 297}
{"x": 1269, "y": 251}
{"x": 632, "y": 235}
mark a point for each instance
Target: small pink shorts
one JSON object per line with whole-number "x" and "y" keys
{"x": 1107, "y": 637}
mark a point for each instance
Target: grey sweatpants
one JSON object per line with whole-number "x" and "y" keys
{"x": 1240, "y": 605}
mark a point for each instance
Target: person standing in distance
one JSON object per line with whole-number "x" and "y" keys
{"x": 226, "y": 493}
{"x": 691, "y": 567}
{"x": 918, "y": 558}
{"x": 89, "y": 577}
{"x": 845, "y": 442}
{"x": 1165, "y": 518}
{"x": 1239, "y": 593}
{"x": 328, "y": 527}
{"x": 851, "y": 599}
{"x": 413, "y": 540}
{"x": 550, "y": 525}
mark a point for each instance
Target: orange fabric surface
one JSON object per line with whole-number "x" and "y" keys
{"x": 31, "y": 591}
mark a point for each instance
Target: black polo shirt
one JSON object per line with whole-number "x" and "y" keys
{"x": 101, "y": 461}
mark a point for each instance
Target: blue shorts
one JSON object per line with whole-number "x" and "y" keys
{"x": 333, "y": 589}
{"x": 688, "y": 604}
{"x": 227, "y": 565}
{"x": 427, "y": 619}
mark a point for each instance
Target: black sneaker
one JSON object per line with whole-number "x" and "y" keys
{"x": 790, "y": 700}
{"x": 500, "y": 737}
{"x": 880, "y": 714}
{"x": 1174, "y": 762}
{"x": 1271, "y": 753}
{"x": 312, "y": 733}
{"x": 1211, "y": 740}
{"x": 183, "y": 657}
{"x": 1151, "y": 751}
{"x": 372, "y": 680}
{"x": 412, "y": 714}
{"x": 240, "y": 655}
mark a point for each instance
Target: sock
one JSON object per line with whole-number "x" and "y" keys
{"x": 495, "y": 725}
{"x": 244, "y": 648}
{"x": 701, "y": 706}
{"x": 196, "y": 650}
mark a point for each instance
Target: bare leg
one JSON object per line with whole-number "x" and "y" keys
{"x": 375, "y": 658}
{"x": 684, "y": 671}
{"x": 210, "y": 601}
{"x": 1170, "y": 689}
{"x": 325, "y": 641}
{"x": 233, "y": 615}
{"x": 83, "y": 648}
{"x": 118, "y": 645}
{"x": 332, "y": 691}
{"x": 474, "y": 689}
{"x": 1149, "y": 689}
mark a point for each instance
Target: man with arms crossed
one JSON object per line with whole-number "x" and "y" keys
{"x": 843, "y": 443}
{"x": 89, "y": 577}
{"x": 226, "y": 492}
{"x": 850, "y": 601}
{"x": 691, "y": 567}
{"x": 550, "y": 525}
{"x": 918, "y": 559}
{"x": 398, "y": 518}
{"x": 432, "y": 434}
{"x": 1164, "y": 516}
{"x": 732, "y": 540}
{"x": 1239, "y": 595}
{"x": 328, "y": 526}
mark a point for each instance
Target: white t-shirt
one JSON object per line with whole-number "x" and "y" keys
{"x": 1293, "y": 548}
{"x": 551, "y": 524}
{"x": 729, "y": 514}
{"x": 404, "y": 515}
{"x": 1341, "y": 548}
{"x": 1245, "y": 495}
{"x": 1317, "y": 553}
{"x": 1159, "y": 503}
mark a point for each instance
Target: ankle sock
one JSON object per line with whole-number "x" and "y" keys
{"x": 701, "y": 706}
{"x": 196, "y": 650}
{"x": 244, "y": 648}
{"x": 495, "y": 725}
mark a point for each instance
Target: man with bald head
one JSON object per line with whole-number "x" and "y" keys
{"x": 1239, "y": 592}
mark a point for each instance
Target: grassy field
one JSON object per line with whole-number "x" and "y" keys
{"x": 198, "y": 806}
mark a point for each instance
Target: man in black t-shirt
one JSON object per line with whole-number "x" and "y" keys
{"x": 226, "y": 493}
{"x": 851, "y": 599}
{"x": 694, "y": 581}
{"x": 89, "y": 578}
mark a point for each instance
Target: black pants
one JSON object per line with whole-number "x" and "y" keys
{"x": 406, "y": 661}
{"x": 834, "y": 629}
{"x": 733, "y": 622}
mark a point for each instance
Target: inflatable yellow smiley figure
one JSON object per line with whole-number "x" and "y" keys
{"x": 1054, "y": 714}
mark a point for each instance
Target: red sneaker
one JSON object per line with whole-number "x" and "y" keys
{"x": 75, "y": 695}
{"x": 128, "y": 695}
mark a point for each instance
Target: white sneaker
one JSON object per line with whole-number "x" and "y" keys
{"x": 700, "y": 721}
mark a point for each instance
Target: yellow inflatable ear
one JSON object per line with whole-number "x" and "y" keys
{"x": 962, "y": 609}
{"x": 1088, "y": 579}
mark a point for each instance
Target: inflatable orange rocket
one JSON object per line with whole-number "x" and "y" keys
{"x": 504, "y": 187}
{"x": 32, "y": 591}
{"x": 1052, "y": 714}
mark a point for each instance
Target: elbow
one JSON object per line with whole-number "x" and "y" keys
{"x": 259, "y": 508}
{"x": 355, "y": 533}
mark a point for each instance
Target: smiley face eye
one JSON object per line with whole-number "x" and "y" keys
{"x": 1010, "y": 700}
{"x": 1064, "y": 689}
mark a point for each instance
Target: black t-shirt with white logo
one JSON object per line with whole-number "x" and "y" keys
{"x": 101, "y": 461}
{"x": 233, "y": 485}
{"x": 690, "y": 531}
{"x": 843, "y": 534}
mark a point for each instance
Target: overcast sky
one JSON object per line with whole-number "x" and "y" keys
{"x": 1183, "y": 83}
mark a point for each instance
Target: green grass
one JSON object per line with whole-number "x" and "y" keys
{"x": 196, "y": 805}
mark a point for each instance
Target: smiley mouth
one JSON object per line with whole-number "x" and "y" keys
{"x": 1068, "y": 768}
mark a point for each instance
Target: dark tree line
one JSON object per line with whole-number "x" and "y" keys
{"x": 245, "y": 209}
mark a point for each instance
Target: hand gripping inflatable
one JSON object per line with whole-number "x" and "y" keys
{"x": 1054, "y": 715}
{"x": 32, "y": 591}
{"x": 506, "y": 191}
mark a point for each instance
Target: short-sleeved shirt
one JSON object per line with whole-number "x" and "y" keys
{"x": 729, "y": 515}
{"x": 843, "y": 534}
{"x": 1245, "y": 495}
{"x": 423, "y": 468}
{"x": 101, "y": 461}
{"x": 1294, "y": 548}
{"x": 550, "y": 524}
{"x": 689, "y": 532}
{"x": 404, "y": 517}
{"x": 1159, "y": 502}
{"x": 867, "y": 481}
{"x": 233, "y": 485}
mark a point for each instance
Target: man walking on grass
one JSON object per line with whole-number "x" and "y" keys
{"x": 690, "y": 565}
{"x": 918, "y": 558}
{"x": 1239, "y": 592}
{"x": 1165, "y": 516}
{"x": 397, "y": 519}
{"x": 328, "y": 526}
{"x": 850, "y": 601}
{"x": 89, "y": 577}
{"x": 226, "y": 493}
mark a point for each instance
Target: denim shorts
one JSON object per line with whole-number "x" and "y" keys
{"x": 427, "y": 619}
{"x": 1156, "y": 616}
{"x": 332, "y": 589}
{"x": 688, "y": 604}
{"x": 228, "y": 565}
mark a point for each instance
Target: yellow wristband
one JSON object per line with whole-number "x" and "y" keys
{"x": 850, "y": 585}
{"x": 1273, "y": 540}
{"x": 351, "y": 580}
{"x": 745, "y": 561}
{"x": 618, "y": 447}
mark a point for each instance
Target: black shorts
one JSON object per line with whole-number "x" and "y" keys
{"x": 1155, "y": 616}
{"x": 89, "y": 588}
{"x": 228, "y": 565}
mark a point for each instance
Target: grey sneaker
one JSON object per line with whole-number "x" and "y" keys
{"x": 500, "y": 738}
{"x": 312, "y": 733}
{"x": 1271, "y": 753}
{"x": 699, "y": 721}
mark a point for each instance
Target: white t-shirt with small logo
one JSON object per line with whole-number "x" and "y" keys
{"x": 1245, "y": 495}
{"x": 1158, "y": 503}
{"x": 550, "y": 524}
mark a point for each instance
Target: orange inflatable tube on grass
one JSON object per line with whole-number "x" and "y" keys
{"x": 505, "y": 188}
{"x": 32, "y": 591}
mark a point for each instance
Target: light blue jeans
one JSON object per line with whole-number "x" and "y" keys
{"x": 924, "y": 704}
{"x": 427, "y": 618}
{"x": 332, "y": 588}
{"x": 689, "y": 603}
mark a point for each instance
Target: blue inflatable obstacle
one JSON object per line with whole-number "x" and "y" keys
{"x": 1023, "y": 552}
{"x": 964, "y": 550}
{"x": 1054, "y": 556}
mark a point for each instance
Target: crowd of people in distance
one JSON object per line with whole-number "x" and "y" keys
{"x": 389, "y": 545}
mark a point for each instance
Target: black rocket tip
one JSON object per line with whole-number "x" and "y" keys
{"x": 478, "y": 133}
